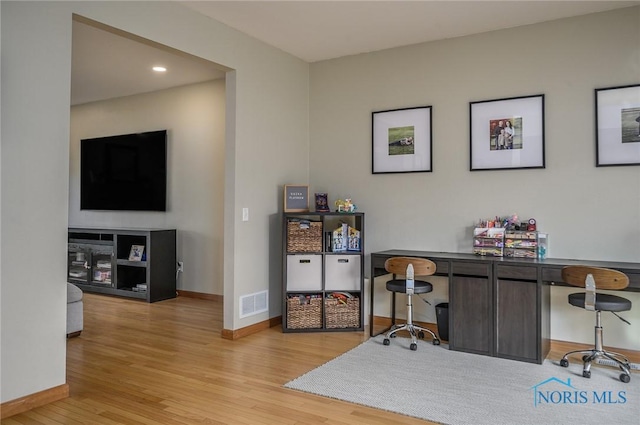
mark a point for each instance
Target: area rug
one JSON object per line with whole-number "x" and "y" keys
{"x": 450, "y": 387}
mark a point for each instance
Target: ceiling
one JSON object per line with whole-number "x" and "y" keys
{"x": 108, "y": 63}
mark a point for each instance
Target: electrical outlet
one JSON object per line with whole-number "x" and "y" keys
{"x": 180, "y": 266}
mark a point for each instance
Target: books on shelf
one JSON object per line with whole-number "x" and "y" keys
{"x": 103, "y": 264}
{"x": 345, "y": 238}
{"x": 353, "y": 241}
{"x": 102, "y": 276}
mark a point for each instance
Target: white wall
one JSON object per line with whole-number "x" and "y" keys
{"x": 35, "y": 164}
{"x": 270, "y": 103}
{"x": 194, "y": 116}
{"x": 589, "y": 212}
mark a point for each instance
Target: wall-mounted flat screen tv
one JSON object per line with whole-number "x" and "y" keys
{"x": 124, "y": 172}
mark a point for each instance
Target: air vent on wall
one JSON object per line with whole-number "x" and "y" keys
{"x": 255, "y": 303}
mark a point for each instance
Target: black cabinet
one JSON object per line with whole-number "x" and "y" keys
{"x": 496, "y": 310}
{"x": 522, "y": 327}
{"x": 471, "y": 308}
{"x": 516, "y": 318}
{"x": 103, "y": 261}
{"x": 323, "y": 275}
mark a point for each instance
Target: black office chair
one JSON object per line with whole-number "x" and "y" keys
{"x": 591, "y": 278}
{"x": 421, "y": 267}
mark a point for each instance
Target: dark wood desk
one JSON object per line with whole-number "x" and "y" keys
{"x": 498, "y": 306}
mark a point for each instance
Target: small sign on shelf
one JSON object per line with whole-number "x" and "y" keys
{"x": 296, "y": 198}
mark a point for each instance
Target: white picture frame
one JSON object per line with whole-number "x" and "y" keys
{"x": 401, "y": 140}
{"x": 618, "y": 125}
{"x": 489, "y": 145}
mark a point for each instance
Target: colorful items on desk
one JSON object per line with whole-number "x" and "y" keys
{"x": 511, "y": 222}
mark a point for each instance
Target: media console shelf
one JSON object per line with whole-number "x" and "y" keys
{"x": 99, "y": 261}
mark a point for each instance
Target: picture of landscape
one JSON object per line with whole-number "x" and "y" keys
{"x": 401, "y": 140}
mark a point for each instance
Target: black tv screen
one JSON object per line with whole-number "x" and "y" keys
{"x": 124, "y": 172}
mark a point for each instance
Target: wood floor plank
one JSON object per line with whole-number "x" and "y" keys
{"x": 166, "y": 363}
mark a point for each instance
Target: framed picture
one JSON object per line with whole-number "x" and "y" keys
{"x": 322, "y": 202}
{"x": 618, "y": 126}
{"x": 401, "y": 140}
{"x": 296, "y": 198}
{"x": 136, "y": 252}
{"x": 507, "y": 133}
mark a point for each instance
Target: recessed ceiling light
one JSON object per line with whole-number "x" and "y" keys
{"x": 159, "y": 69}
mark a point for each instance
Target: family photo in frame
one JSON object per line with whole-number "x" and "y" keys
{"x": 507, "y": 133}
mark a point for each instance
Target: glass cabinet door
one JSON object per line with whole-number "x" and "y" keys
{"x": 101, "y": 261}
{"x": 78, "y": 263}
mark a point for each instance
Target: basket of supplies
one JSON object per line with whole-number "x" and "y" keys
{"x": 304, "y": 312}
{"x": 341, "y": 310}
{"x": 304, "y": 236}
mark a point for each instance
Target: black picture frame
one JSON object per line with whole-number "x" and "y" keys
{"x": 491, "y": 148}
{"x": 401, "y": 140}
{"x": 617, "y": 125}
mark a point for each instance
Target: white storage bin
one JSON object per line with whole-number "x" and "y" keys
{"x": 342, "y": 272}
{"x": 304, "y": 272}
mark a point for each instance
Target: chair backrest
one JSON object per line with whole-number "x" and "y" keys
{"x": 421, "y": 266}
{"x": 604, "y": 278}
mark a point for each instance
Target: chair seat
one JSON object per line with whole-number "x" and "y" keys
{"x": 604, "y": 302}
{"x": 400, "y": 285}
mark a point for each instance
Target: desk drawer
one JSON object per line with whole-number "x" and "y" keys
{"x": 552, "y": 274}
{"x": 470, "y": 269}
{"x": 442, "y": 267}
{"x": 517, "y": 272}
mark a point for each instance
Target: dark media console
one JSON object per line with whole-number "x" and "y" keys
{"x": 133, "y": 263}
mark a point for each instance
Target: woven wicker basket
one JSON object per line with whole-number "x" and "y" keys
{"x": 344, "y": 314}
{"x": 302, "y": 239}
{"x": 303, "y": 315}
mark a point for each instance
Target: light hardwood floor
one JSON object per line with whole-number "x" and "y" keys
{"x": 165, "y": 363}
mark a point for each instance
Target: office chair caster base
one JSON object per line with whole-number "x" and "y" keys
{"x": 625, "y": 378}
{"x": 586, "y": 358}
{"x": 564, "y": 363}
{"x": 436, "y": 342}
{"x": 421, "y": 335}
{"x": 386, "y": 341}
{"x": 413, "y": 346}
{"x": 586, "y": 374}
